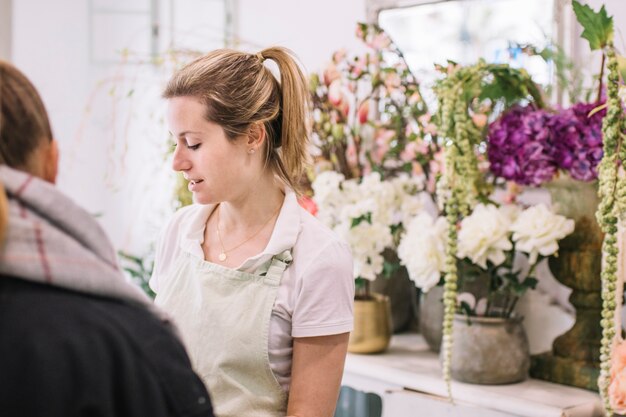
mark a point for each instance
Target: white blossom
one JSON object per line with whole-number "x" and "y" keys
{"x": 422, "y": 250}
{"x": 537, "y": 231}
{"x": 484, "y": 236}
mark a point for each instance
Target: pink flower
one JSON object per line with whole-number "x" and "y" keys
{"x": 331, "y": 73}
{"x": 618, "y": 358}
{"x": 379, "y": 41}
{"x": 308, "y": 204}
{"x": 382, "y": 139}
{"x": 339, "y": 55}
{"x": 409, "y": 153}
{"x": 414, "y": 98}
{"x": 344, "y": 108}
{"x": 617, "y": 392}
{"x": 359, "y": 32}
{"x": 617, "y": 387}
{"x": 429, "y": 128}
{"x": 335, "y": 95}
{"x": 364, "y": 110}
{"x": 392, "y": 80}
{"x": 480, "y": 120}
{"x": 417, "y": 169}
{"x": 351, "y": 155}
{"x": 358, "y": 67}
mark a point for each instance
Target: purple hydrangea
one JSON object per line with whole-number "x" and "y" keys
{"x": 578, "y": 140}
{"x": 521, "y": 146}
{"x": 528, "y": 146}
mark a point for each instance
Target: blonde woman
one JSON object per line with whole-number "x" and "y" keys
{"x": 261, "y": 290}
{"x": 75, "y": 337}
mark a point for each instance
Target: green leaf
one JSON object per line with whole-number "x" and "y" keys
{"x": 364, "y": 218}
{"x": 598, "y": 26}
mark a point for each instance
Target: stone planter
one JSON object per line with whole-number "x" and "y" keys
{"x": 489, "y": 350}
{"x": 575, "y": 356}
{"x": 372, "y": 325}
{"x": 431, "y": 317}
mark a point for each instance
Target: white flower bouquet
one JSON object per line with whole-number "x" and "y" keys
{"x": 370, "y": 214}
{"x": 492, "y": 242}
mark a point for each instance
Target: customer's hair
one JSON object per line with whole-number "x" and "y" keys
{"x": 24, "y": 125}
{"x": 239, "y": 91}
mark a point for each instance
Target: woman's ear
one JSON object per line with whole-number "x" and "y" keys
{"x": 256, "y": 136}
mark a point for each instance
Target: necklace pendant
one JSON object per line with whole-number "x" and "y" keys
{"x": 222, "y": 257}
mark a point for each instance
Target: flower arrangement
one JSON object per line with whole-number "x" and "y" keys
{"x": 377, "y": 152}
{"x": 369, "y": 214}
{"x": 464, "y": 93}
{"x": 369, "y": 114}
{"x": 491, "y": 241}
{"x": 530, "y": 145}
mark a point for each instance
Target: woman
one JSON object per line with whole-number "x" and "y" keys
{"x": 75, "y": 337}
{"x": 261, "y": 290}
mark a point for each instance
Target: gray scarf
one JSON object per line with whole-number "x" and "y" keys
{"x": 53, "y": 241}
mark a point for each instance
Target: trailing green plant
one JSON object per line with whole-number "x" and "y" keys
{"x": 612, "y": 192}
{"x": 464, "y": 93}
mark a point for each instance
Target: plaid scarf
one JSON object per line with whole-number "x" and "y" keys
{"x": 53, "y": 241}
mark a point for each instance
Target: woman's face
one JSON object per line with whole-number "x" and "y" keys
{"x": 218, "y": 169}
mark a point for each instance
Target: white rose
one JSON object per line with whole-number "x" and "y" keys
{"x": 484, "y": 236}
{"x": 422, "y": 250}
{"x": 537, "y": 231}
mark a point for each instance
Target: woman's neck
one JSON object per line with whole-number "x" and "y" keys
{"x": 259, "y": 203}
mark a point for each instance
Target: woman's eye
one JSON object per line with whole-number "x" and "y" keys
{"x": 193, "y": 147}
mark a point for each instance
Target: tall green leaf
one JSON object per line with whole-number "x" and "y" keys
{"x": 598, "y": 26}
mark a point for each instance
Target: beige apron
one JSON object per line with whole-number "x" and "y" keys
{"x": 223, "y": 316}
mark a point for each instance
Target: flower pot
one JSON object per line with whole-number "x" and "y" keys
{"x": 372, "y": 325}
{"x": 489, "y": 350}
{"x": 431, "y": 317}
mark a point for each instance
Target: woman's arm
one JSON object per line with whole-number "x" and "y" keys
{"x": 317, "y": 368}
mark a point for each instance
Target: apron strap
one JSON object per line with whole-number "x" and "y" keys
{"x": 277, "y": 266}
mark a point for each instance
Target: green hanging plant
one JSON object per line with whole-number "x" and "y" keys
{"x": 465, "y": 91}
{"x": 612, "y": 193}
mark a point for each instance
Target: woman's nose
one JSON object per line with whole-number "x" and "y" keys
{"x": 179, "y": 161}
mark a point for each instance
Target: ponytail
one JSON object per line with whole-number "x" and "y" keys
{"x": 295, "y": 105}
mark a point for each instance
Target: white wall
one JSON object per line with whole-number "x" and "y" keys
{"x": 112, "y": 157}
{"x": 312, "y": 29}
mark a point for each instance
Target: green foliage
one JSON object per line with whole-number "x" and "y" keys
{"x": 139, "y": 269}
{"x": 509, "y": 85}
{"x": 598, "y": 26}
{"x": 363, "y": 218}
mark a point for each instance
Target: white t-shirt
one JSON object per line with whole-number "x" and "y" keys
{"x": 316, "y": 293}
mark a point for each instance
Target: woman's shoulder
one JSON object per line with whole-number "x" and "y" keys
{"x": 319, "y": 242}
{"x": 312, "y": 229}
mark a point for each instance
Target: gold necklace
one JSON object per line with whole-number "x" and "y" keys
{"x": 222, "y": 256}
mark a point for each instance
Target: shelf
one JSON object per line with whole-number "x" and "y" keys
{"x": 409, "y": 373}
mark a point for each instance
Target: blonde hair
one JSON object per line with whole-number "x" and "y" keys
{"x": 240, "y": 91}
{"x": 24, "y": 125}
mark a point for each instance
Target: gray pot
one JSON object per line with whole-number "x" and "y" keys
{"x": 431, "y": 317}
{"x": 489, "y": 350}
